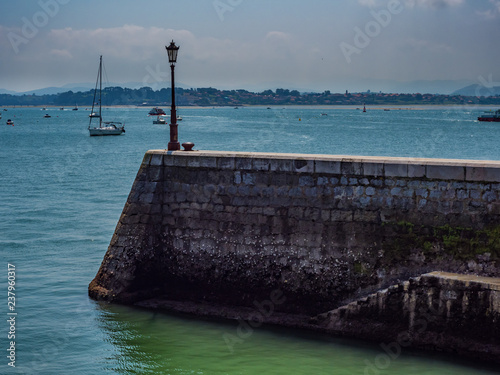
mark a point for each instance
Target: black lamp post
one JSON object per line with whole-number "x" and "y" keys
{"x": 174, "y": 144}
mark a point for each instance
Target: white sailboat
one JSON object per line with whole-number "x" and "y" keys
{"x": 108, "y": 127}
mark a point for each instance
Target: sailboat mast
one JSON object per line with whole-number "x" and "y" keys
{"x": 100, "y": 91}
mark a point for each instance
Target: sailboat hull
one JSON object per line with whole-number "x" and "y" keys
{"x": 106, "y": 131}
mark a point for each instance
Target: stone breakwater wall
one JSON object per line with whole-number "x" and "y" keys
{"x": 230, "y": 228}
{"x": 441, "y": 311}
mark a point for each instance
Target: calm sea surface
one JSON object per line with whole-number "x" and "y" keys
{"x": 61, "y": 194}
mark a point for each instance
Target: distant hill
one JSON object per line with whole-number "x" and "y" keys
{"x": 3, "y": 91}
{"x": 444, "y": 87}
{"x": 86, "y": 86}
{"x": 478, "y": 90}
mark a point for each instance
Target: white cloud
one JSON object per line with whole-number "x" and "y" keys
{"x": 428, "y": 45}
{"x": 136, "y": 53}
{"x": 492, "y": 13}
{"x": 61, "y": 54}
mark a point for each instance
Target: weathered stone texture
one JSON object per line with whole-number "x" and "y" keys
{"x": 232, "y": 227}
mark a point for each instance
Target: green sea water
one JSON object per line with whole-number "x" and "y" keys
{"x": 62, "y": 193}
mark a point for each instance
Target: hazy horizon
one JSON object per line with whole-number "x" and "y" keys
{"x": 256, "y": 45}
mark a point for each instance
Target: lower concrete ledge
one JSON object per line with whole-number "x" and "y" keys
{"x": 440, "y": 311}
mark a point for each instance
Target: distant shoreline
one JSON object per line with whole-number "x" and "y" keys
{"x": 295, "y": 106}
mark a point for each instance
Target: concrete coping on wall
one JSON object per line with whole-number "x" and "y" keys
{"x": 491, "y": 283}
{"x": 367, "y": 166}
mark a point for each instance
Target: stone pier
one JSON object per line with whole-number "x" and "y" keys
{"x": 230, "y": 229}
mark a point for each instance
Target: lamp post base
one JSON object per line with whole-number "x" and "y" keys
{"x": 174, "y": 146}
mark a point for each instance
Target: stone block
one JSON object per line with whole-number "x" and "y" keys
{"x": 323, "y": 181}
{"x": 193, "y": 162}
{"x": 370, "y": 191}
{"x": 494, "y": 208}
{"x": 156, "y": 160}
{"x": 237, "y": 178}
{"x": 327, "y": 167}
{"x": 176, "y": 160}
{"x": 416, "y": 171}
{"x": 260, "y": 164}
{"x": 483, "y": 174}
{"x": 396, "y": 170}
{"x": 445, "y": 172}
{"x": 226, "y": 163}
{"x": 249, "y": 178}
{"x": 243, "y": 163}
{"x": 475, "y": 194}
{"x": 397, "y": 192}
{"x": 462, "y": 194}
{"x": 147, "y": 158}
{"x": 489, "y": 196}
{"x": 146, "y": 198}
{"x": 303, "y": 165}
{"x": 325, "y": 215}
{"x": 311, "y": 192}
{"x": 306, "y": 181}
{"x": 366, "y": 216}
{"x": 351, "y": 167}
{"x": 155, "y": 173}
{"x": 342, "y": 216}
{"x": 424, "y": 193}
{"x": 281, "y": 165}
{"x": 373, "y": 169}
{"x": 207, "y": 161}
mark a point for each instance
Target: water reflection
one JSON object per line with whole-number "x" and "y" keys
{"x": 148, "y": 342}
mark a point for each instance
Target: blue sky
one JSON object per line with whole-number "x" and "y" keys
{"x": 253, "y": 44}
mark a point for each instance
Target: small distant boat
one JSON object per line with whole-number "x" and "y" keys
{"x": 62, "y": 108}
{"x": 47, "y": 115}
{"x": 76, "y": 108}
{"x": 364, "y": 108}
{"x": 157, "y": 112}
{"x": 324, "y": 114}
{"x": 44, "y": 108}
{"x": 386, "y": 109}
{"x": 160, "y": 120}
{"x": 179, "y": 118}
{"x": 10, "y": 122}
{"x": 110, "y": 127}
{"x": 490, "y": 116}
{"x": 93, "y": 114}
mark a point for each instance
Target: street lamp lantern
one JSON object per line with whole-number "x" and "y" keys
{"x": 174, "y": 144}
{"x": 172, "y": 51}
